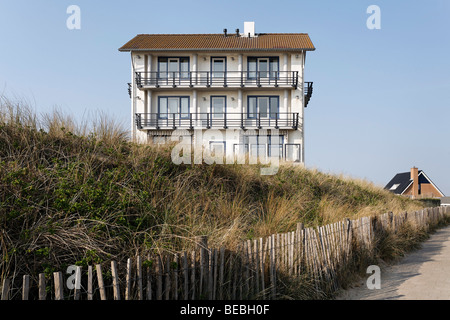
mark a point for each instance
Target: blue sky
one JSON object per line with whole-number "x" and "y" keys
{"x": 381, "y": 97}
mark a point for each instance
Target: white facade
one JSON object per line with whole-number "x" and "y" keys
{"x": 203, "y": 91}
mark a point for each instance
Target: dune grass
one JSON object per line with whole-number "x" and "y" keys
{"x": 83, "y": 193}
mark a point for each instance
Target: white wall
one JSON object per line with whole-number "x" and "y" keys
{"x": 290, "y": 100}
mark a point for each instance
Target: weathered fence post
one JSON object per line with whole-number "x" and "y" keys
{"x": 139, "y": 278}
{"x": 5, "y": 288}
{"x": 90, "y": 290}
{"x": 115, "y": 278}
{"x": 202, "y": 245}
{"x": 42, "y": 291}
{"x": 159, "y": 276}
{"x": 101, "y": 285}
{"x": 25, "y": 287}
{"x": 128, "y": 280}
{"x": 77, "y": 288}
{"x": 59, "y": 286}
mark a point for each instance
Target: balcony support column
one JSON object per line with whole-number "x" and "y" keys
{"x": 194, "y": 68}
{"x": 148, "y": 69}
{"x": 240, "y": 104}
{"x": 195, "y": 107}
{"x": 148, "y": 105}
{"x": 240, "y": 59}
{"x": 148, "y": 63}
{"x": 285, "y": 67}
{"x": 285, "y": 101}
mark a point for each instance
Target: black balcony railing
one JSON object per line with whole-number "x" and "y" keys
{"x": 217, "y": 79}
{"x": 308, "y": 91}
{"x": 217, "y": 120}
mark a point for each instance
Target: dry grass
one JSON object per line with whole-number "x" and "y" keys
{"x": 82, "y": 193}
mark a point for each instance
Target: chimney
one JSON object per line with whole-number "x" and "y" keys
{"x": 237, "y": 33}
{"x": 225, "y": 32}
{"x": 415, "y": 179}
{"x": 249, "y": 29}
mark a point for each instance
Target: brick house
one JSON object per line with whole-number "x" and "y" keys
{"x": 414, "y": 184}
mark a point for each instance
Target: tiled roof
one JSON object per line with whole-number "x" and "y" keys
{"x": 211, "y": 42}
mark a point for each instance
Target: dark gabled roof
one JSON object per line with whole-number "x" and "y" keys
{"x": 402, "y": 179}
{"x": 199, "y": 42}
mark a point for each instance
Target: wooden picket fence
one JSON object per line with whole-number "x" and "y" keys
{"x": 250, "y": 272}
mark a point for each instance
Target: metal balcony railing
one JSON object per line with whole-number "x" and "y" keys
{"x": 209, "y": 120}
{"x": 206, "y": 79}
{"x": 308, "y": 91}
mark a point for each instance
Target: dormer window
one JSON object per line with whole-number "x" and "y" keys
{"x": 394, "y": 187}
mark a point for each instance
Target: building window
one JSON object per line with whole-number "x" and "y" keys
{"x": 217, "y": 148}
{"x": 292, "y": 152}
{"x": 263, "y": 146}
{"x": 169, "y": 68}
{"x": 218, "y": 67}
{"x": 218, "y": 107}
{"x": 262, "y": 67}
{"x": 263, "y": 107}
{"x": 395, "y": 186}
{"x": 159, "y": 139}
{"x": 167, "y": 139}
{"x": 168, "y": 107}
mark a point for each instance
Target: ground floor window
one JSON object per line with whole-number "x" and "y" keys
{"x": 217, "y": 148}
{"x": 293, "y": 152}
{"x": 261, "y": 146}
{"x": 163, "y": 139}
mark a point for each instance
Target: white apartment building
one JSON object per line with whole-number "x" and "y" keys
{"x": 228, "y": 92}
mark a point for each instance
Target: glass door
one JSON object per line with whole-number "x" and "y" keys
{"x": 218, "y": 71}
{"x": 218, "y": 107}
{"x": 172, "y": 110}
{"x": 263, "y": 107}
{"x": 174, "y": 68}
{"x": 263, "y": 67}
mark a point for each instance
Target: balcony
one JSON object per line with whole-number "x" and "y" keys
{"x": 308, "y": 91}
{"x": 206, "y": 120}
{"x": 206, "y": 79}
